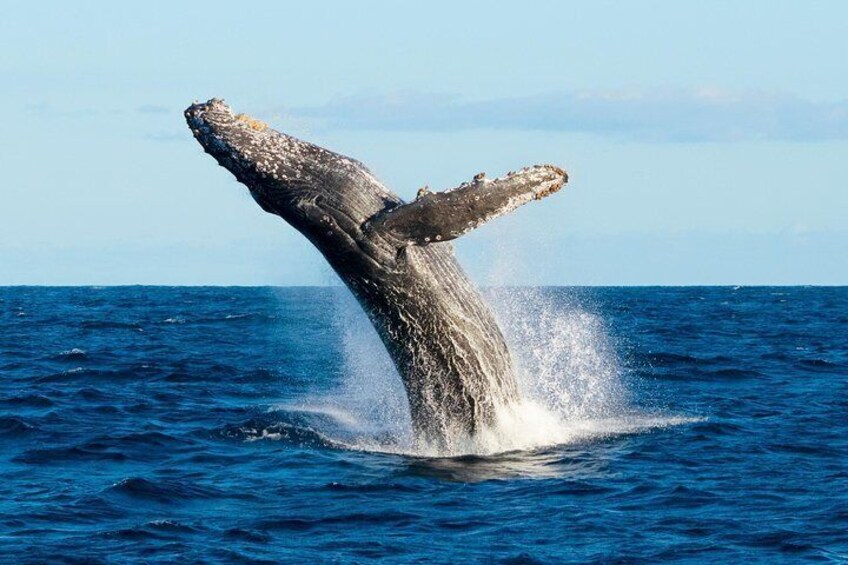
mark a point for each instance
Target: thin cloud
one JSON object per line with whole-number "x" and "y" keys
{"x": 152, "y": 109}
{"x": 706, "y": 114}
{"x": 44, "y": 110}
{"x": 167, "y": 136}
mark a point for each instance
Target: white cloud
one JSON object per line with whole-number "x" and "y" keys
{"x": 705, "y": 114}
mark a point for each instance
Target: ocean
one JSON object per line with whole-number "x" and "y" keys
{"x": 267, "y": 425}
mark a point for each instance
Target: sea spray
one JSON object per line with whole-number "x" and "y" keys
{"x": 565, "y": 359}
{"x": 368, "y": 405}
{"x": 567, "y": 367}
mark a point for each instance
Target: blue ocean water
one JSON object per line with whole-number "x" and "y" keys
{"x": 265, "y": 425}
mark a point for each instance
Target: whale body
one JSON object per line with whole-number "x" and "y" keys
{"x": 394, "y": 257}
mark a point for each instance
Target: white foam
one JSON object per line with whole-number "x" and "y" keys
{"x": 527, "y": 427}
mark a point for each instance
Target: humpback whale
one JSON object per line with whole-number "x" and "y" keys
{"x": 395, "y": 257}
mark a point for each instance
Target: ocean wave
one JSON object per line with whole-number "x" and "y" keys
{"x": 85, "y": 373}
{"x": 821, "y": 365}
{"x": 270, "y": 428}
{"x": 162, "y": 491}
{"x": 74, "y": 354}
{"x": 154, "y": 530}
{"x": 15, "y": 427}
{"x": 28, "y": 400}
{"x": 109, "y": 325}
{"x": 67, "y": 454}
{"x": 662, "y": 359}
{"x": 294, "y": 524}
{"x": 698, "y": 374}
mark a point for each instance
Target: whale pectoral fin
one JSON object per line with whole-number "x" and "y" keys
{"x": 442, "y": 216}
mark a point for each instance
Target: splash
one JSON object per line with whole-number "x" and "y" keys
{"x": 565, "y": 359}
{"x": 570, "y": 378}
{"x": 368, "y": 409}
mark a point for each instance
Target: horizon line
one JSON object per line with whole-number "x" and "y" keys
{"x": 483, "y": 286}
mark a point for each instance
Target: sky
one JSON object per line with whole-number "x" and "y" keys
{"x": 706, "y": 142}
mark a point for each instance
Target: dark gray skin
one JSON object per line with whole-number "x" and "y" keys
{"x": 444, "y": 340}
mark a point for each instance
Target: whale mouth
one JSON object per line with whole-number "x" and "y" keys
{"x": 216, "y": 113}
{"x": 203, "y": 116}
{"x": 212, "y": 108}
{"x": 223, "y": 134}
{"x": 271, "y": 164}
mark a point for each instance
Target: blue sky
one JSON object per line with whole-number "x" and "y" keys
{"x": 706, "y": 142}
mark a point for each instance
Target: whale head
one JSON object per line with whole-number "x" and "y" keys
{"x": 323, "y": 194}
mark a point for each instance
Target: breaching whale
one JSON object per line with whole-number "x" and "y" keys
{"x": 394, "y": 257}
